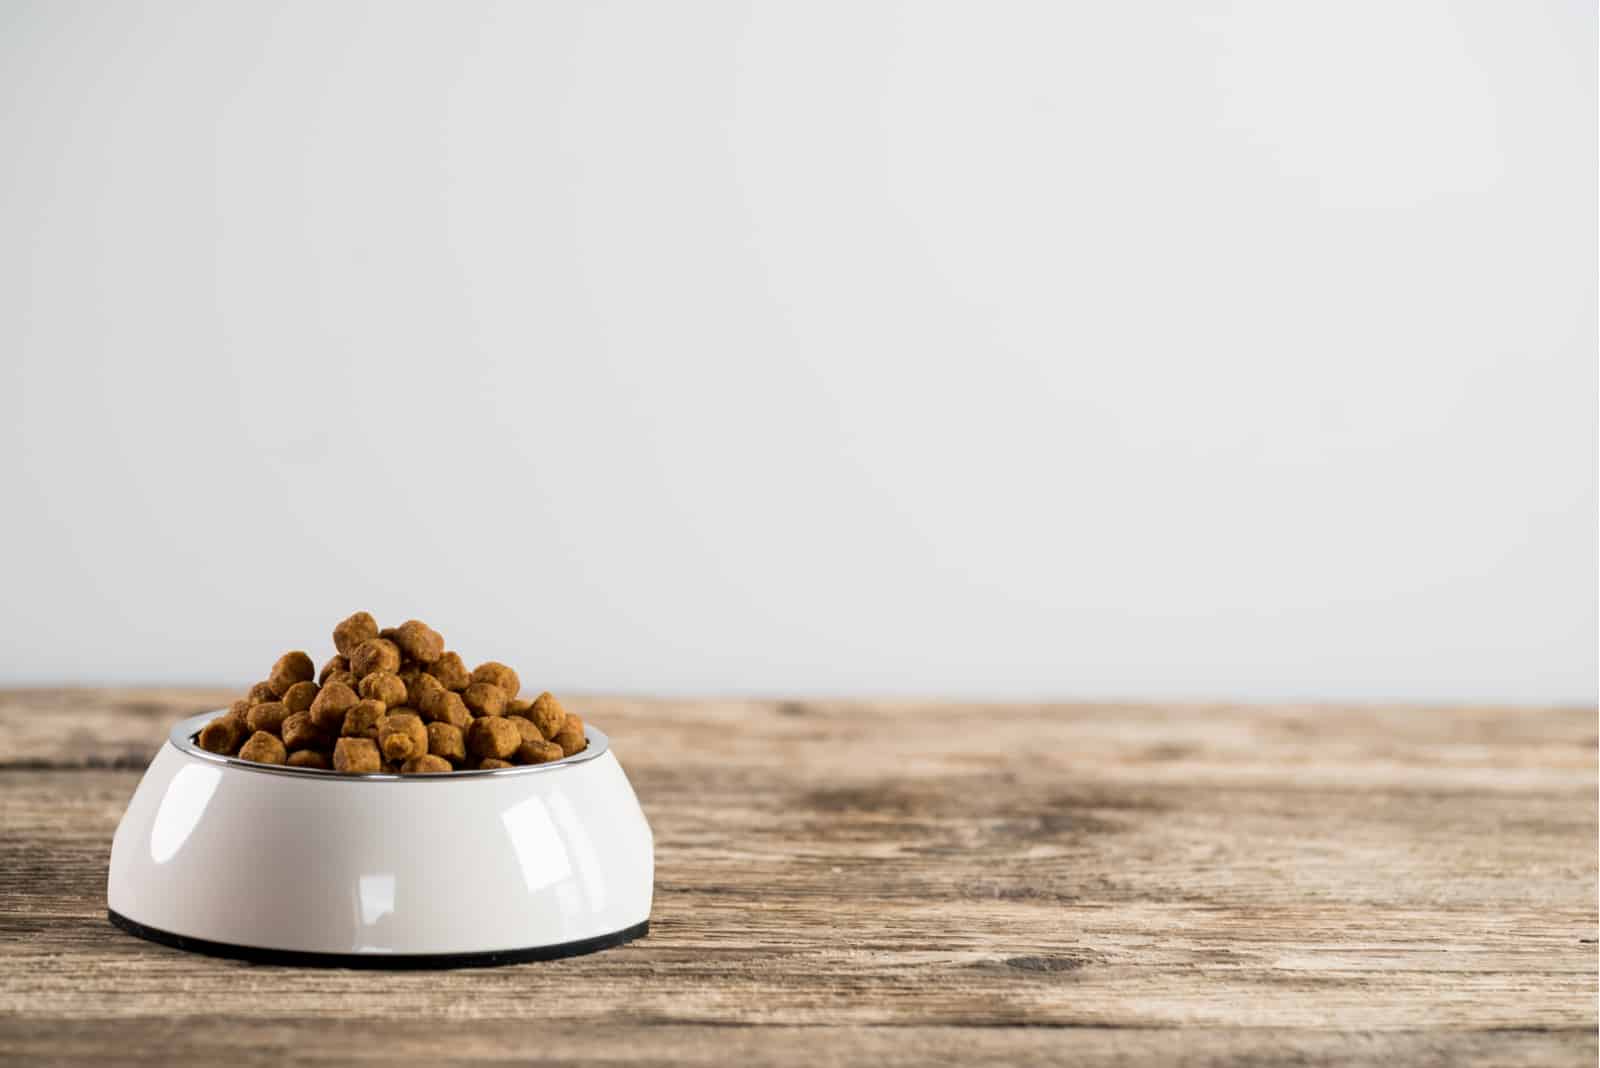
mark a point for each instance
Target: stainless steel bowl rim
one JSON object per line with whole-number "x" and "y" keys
{"x": 186, "y": 731}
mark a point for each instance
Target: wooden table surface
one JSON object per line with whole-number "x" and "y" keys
{"x": 908, "y": 883}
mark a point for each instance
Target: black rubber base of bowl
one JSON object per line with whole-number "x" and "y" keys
{"x": 382, "y": 961}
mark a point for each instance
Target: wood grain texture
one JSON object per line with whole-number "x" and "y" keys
{"x": 894, "y": 882}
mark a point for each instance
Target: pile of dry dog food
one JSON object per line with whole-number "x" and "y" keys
{"x": 392, "y": 700}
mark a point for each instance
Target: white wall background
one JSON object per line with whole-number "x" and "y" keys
{"x": 1168, "y": 349}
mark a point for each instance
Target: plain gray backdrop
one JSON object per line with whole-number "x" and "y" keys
{"x": 1020, "y": 349}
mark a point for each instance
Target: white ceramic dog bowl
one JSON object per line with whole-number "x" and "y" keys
{"x": 298, "y": 866}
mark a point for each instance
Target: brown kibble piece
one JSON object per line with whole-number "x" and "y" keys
{"x": 419, "y": 641}
{"x": 262, "y": 691}
{"x": 450, "y": 670}
{"x": 239, "y": 709}
{"x": 263, "y": 748}
{"x": 426, "y": 764}
{"x": 334, "y": 700}
{"x": 570, "y": 737}
{"x": 490, "y": 763}
{"x": 402, "y": 737}
{"x": 267, "y": 716}
{"x": 447, "y": 707}
{"x": 484, "y": 699}
{"x": 290, "y": 669}
{"x": 300, "y": 696}
{"x": 356, "y": 755}
{"x": 538, "y": 752}
{"x": 493, "y": 736}
{"x": 497, "y": 674}
{"x": 352, "y": 631}
{"x": 419, "y": 691}
{"x": 335, "y": 663}
{"x": 384, "y": 686}
{"x": 444, "y": 740}
{"x": 307, "y": 758}
{"x": 299, "y": 732}
{"x": 222, "y": 735}
{"x": 526, "y": 728}
{"x": 363, "y": 719}
{"x": 344, "y": 678}
{"x": 375, "y": 654}
{"x": 517, "y": 706}
{"x": 548, "y": 714}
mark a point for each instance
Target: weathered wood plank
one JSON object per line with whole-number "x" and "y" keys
{"x": 249, "y": 1040}
{"x": 905, "y": 881}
